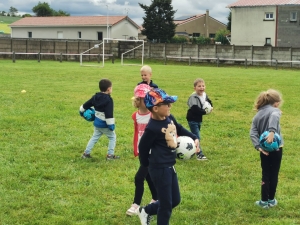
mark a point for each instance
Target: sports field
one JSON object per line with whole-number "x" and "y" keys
{"x": 44, "y": 180}
{"x": 5, "y": 21}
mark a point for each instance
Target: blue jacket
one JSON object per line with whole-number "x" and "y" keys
{"x": 104, "y": 106}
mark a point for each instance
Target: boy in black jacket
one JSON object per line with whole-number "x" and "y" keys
{"x": 160, "y": 137}
{"x": 196, "y": 111}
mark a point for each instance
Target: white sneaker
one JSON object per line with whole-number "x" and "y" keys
{"x": 132, "y": 210}
{"x": 144, "y": 217}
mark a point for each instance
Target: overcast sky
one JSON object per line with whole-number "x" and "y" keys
{"x": 217, "y": 8}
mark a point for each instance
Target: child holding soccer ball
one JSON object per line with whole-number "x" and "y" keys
{"x": 104, "y": 122}
{"x": 141, "y": 119}
{"x": 160, "y": 137}
{"x": 146, "y": 74}
{"x": 196, "y": 111}
{"x": 267, "y": 119}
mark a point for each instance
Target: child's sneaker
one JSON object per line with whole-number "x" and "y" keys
{"x": 201, "y": 157}
{"x": 86, "y": 156}
{"x": 144, "y": 217}
{"x": 152, "y": 201}
{"x": 132, "y": 210}
{"x": 112, "y": 157}
{"x": 273, "y": 202}
{"x": 262, "y": 204}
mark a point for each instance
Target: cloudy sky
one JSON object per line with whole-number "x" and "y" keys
{"x": 217, "y": 8}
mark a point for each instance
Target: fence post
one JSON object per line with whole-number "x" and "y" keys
{"x": 291, "y": 57}
{"x": 39, "y": 56}
{"x": 252, "y": 54}
{"x": 166, "y": 60}
{"x": 13, "y": 57}
{"x": 113, "y": 59}
{"x": 276, "y": 63}
{"x": 98, "y": 58}
{"x": 190, "y": 59}
{"x": 271, "y": 53}
{"x": 217, "y": 61}
{"x": 246, "y": 63}
{"x": 60, "y": 58}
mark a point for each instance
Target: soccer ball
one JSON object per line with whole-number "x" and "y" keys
{"x": 185, "y": 148}
{"x": 89, "y": 114}
{"x": 207, "y": 107}
{"x": 269, "y": 147}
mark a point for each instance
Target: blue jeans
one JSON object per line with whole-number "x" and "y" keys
{"x": 98, "y": 132}
{"x": 168, "y": 194}
{"x": 195, "y": 129}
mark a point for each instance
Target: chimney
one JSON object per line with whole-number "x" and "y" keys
{"x": 207, "y": 23}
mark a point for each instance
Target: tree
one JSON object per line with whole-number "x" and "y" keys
{"x": 42, "y": 10}
{"x": 26, "y": 15}
{"x": 221, "y": 36}
{"x": 13, "y": 11}
{"x": 158, "y": 21}
{"x": 229, "y": 22}
{"x": 3, "y": 13}
{"x": 60, "y": 13}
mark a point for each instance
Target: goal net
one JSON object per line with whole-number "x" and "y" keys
{"x": 139, "y": 47}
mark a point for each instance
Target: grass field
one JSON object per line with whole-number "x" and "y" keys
{"x": 5, "y": 21}
{"x": 44, "y": 180}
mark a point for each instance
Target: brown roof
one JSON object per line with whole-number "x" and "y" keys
{"x": 242, "y": 3}
{"x": 189, "y": 19}
{"x": 71, "y": 21}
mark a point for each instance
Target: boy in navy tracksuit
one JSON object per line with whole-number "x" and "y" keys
{"x": 160, "y": 138}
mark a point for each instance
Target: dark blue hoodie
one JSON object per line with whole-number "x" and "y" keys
{"x": 104, "y": 106}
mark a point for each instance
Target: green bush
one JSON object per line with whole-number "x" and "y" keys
{"x": 221, "y": 36}
{"x": 201, "y": 40}
{"x": 179, "y": 39}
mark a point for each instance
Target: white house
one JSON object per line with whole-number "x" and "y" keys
{"x": 267, "y": 22}
{"x": 75, "y": 27}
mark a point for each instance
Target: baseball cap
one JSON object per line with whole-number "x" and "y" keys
{"x": 157, "y": 95}
{"x": 141, "y": 90}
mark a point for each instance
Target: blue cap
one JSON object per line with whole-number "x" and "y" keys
{"x": 156, "y": 96}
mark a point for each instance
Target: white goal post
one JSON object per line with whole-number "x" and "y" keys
{"x": 103, "y": 51}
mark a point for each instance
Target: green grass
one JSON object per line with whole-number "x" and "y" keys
{"x": 5, "y": 21}
{"x": 44, "y": 180}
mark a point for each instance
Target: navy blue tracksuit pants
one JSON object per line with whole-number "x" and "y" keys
{"x": 166, "y": 184}
{"x": 270, "y": 169}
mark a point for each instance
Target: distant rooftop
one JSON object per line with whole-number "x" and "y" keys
{"x": 242, "y": 3}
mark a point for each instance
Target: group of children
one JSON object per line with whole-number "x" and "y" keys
{"x": 154, "y": 141}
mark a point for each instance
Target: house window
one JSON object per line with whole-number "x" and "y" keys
{"x": 29, "y": 34}
{"x": 212, "y": 35}
{"x": 100, "y": 36}
{"x": 293, "y": 16}
{"x": 60, "y": 35}
{"x": 269, "y": 16}
{"x": 79, "y": 34}
{"x": 196, "y": 34}
{"x": 268, "y": 41}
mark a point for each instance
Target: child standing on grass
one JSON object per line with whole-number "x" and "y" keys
{"x": 267, "y": 119}
{"x": 160, "y": 137}
{"x": 146, "y": 74}
{"x": 104, "y": 122}
{"x": 141, "y": 119}
{"x": 196, "y": 111}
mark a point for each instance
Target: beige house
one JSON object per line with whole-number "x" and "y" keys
{"x": 268, "y": 22}
{"x": 75, "y": 27}
{"x": 198, "y": 25}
